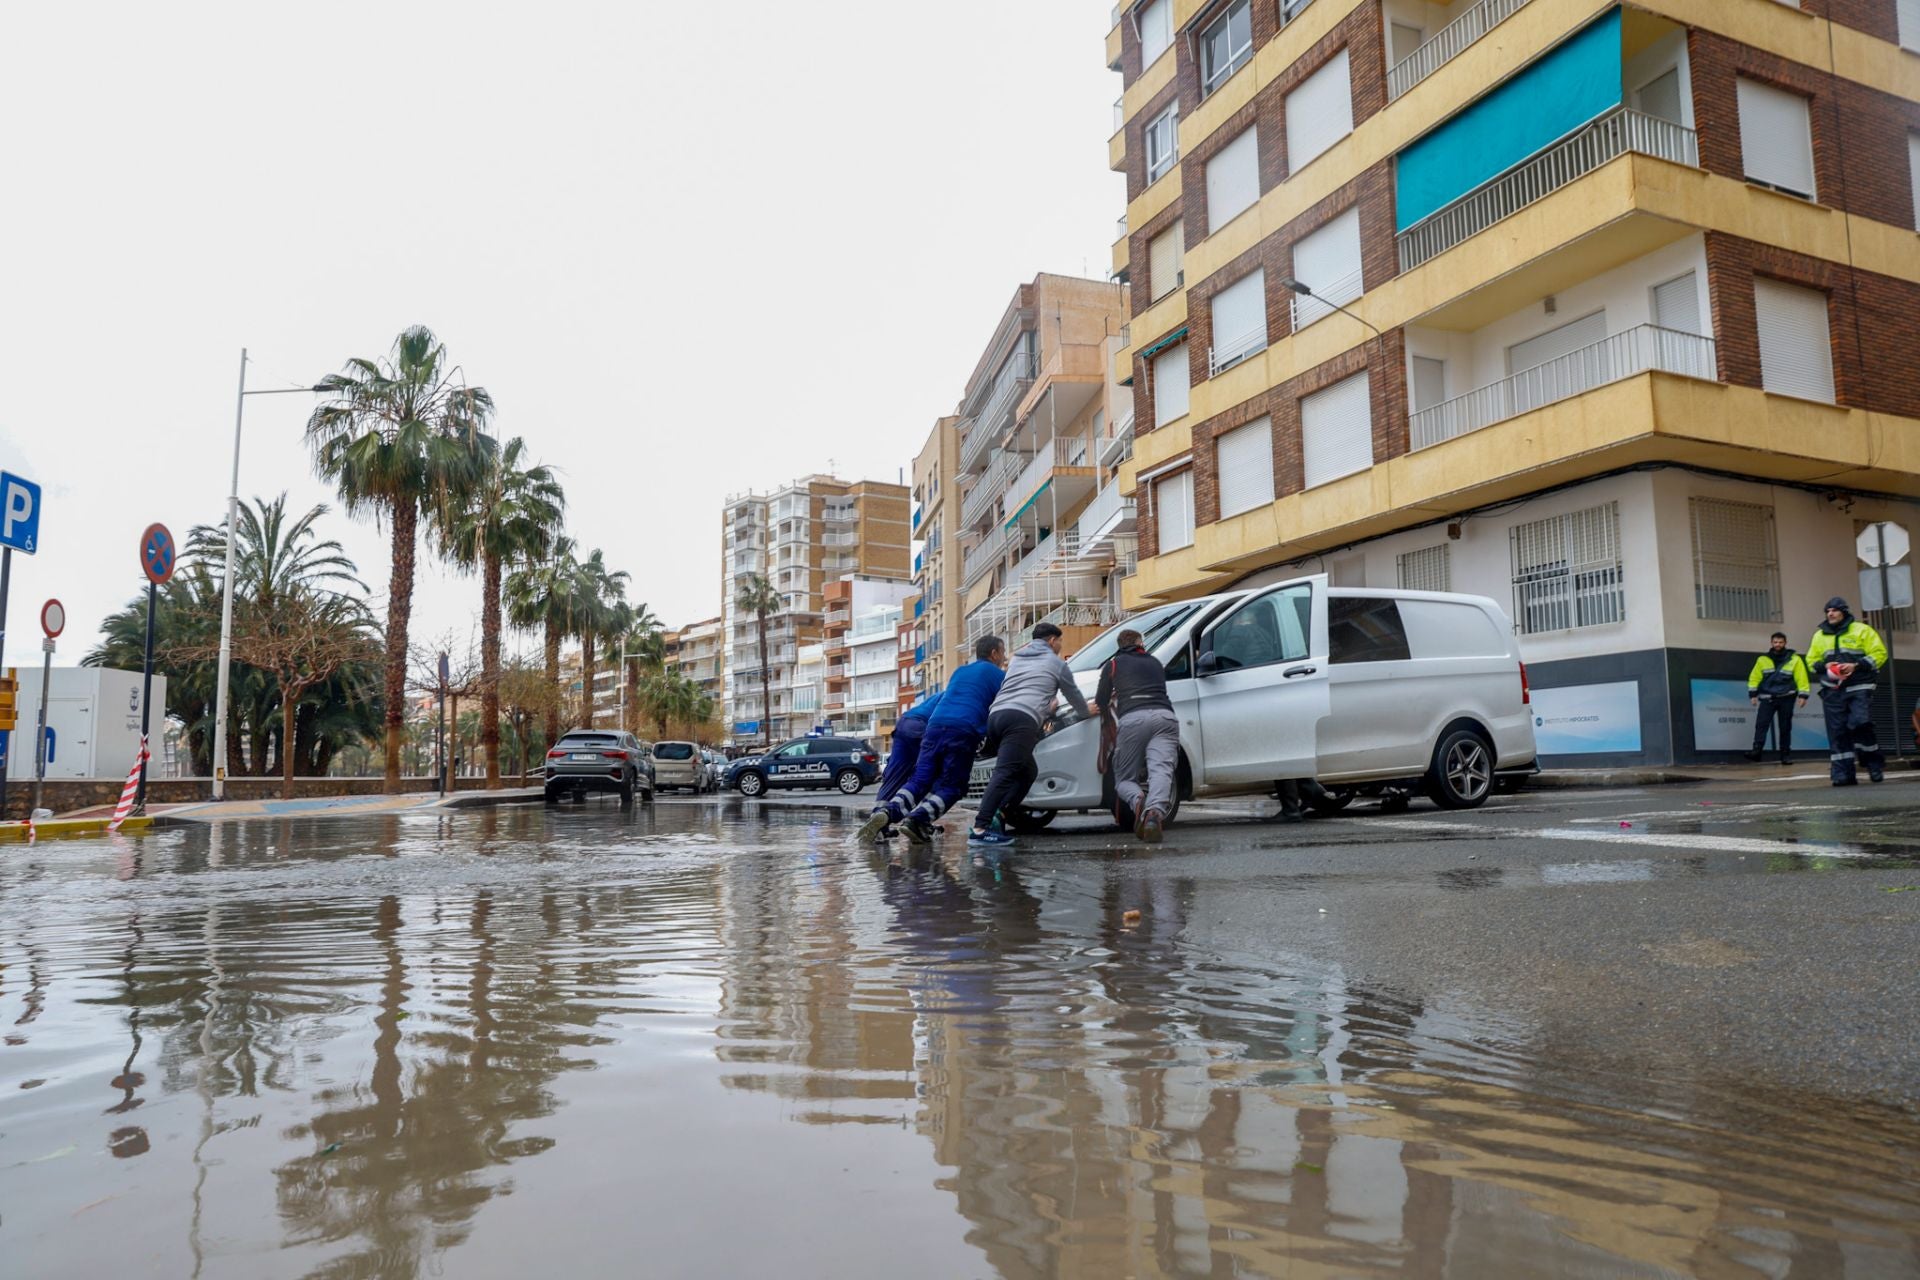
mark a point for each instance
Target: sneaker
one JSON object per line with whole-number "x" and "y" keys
{"x": 1877, "y": 775}
{"x": 989, "y": 837}
{"x": 917, "y": 831}
{"x": 1752, "y": 755}
{"x": 876, "y": 825}
{"x": 1150, "y": 827}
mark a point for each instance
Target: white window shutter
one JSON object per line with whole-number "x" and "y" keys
{"x": 1156, "y": 31}
{"x": 1245, "y": 458}
{"x": 1170, "y": 385}
{"x": 1233, "y": 179}
{"x": 1239, "y": 320}
{"x": 1319, "y": 112}
{"x": 1676, "y": 304}
{"x": 1173, "y": 511}
{"x": 1336, "y": 431}
{"x": 1796, "y": 352}
{"x": 1776, "y": 137}
{"x": 1166, "y": 258}
{"x": 1913, "y": 170}
{"x": 1908, "y": 13}
{"x": 1327, "y": 261}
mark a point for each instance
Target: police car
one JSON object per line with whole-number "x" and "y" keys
{"x": 847, "y": 764}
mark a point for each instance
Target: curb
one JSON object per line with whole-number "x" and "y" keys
{"x": 54, "y": 828}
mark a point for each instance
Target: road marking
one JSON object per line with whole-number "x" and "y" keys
{"x": 1715, "y": 811}
{"x": 1712, "y": 844}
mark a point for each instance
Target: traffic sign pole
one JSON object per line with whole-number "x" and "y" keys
{"x": 6, "y": 578}
{"x": 1886, "y": 598}
{"x": 156, "y": 561}
{"x": 40, "y": 737}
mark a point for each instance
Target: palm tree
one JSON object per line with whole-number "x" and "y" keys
{"x": 645, "y": 645}
{"x": 396, "y": 437}
{"x": 540, "y": 594}
{"x": 512, "y": 515}
{"x": 757, "y": 596}
{"x": 599, "y": 611}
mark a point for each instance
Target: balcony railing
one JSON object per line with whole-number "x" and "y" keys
{"x": 1108, "y": 508}
{"x": 1637, "y": 350}
{"x": 989, "y": 487}
{"x": 1011, "y": 384}
{"x": 1448, "y": 43}
{"x": 1236, "y": 349}
{"x": 1619, "y": 131}
{"x": 1119, "y": 119}
{"x": 986, "y": 555}
{"x": 1091, "y": 613}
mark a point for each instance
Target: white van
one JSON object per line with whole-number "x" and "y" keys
{"x": 1362, "y": 689}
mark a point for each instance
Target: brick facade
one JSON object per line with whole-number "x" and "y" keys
{"x": 1873, "y": 321}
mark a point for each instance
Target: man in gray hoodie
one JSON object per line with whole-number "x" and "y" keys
{"x": 1035, "y": 675}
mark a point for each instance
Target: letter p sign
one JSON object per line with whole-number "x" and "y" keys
{"x": 19, "y": 513}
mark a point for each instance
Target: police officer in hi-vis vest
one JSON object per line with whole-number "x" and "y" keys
{"x": 1846, "y": 656}
{"x": 1776, "y": 686}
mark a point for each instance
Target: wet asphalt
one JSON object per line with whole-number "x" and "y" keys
{"x": 1664, "y": 1031}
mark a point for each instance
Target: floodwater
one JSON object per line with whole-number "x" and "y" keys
{"x": 718, "y": 1040}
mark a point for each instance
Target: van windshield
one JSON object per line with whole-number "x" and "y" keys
{"x": 1154, "y": 626}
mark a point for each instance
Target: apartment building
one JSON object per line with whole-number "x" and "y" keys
{"x": 1030, "y": 523}
{"x": 862, "y": 625}
{"x": 1606, "y": 312}
{"x": 695, "y": 652}
{"x": 910, "y": 652}
{"x": 800, "y": 538}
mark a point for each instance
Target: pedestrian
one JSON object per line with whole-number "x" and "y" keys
{"x": 947, "y": 748}
{"x": 1846, "y": 656}
{"x": 1036, "y": 674}
{"x": 908, "y": 733}
{"x": 1778, "y": 680}
{"x": 1133, "y": 689}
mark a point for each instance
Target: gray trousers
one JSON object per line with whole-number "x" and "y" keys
{"x": 1148, "y": 746}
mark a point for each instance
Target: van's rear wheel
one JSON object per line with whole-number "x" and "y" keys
{"x": 1026, "y": 822}
{"x": 1462, "y": 772}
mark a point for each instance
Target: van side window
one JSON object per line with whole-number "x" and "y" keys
{"x": 1365, "y": 629}
{"x": 1272, "y": 628}
{"x": 1180, "y": 665}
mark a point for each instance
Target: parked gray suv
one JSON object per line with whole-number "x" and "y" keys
{"x": 599, "y": 760}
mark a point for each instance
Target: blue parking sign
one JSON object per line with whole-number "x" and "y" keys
{"x": 19, "y": 513}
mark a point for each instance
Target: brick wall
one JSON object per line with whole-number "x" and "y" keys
{"x": 1877, "y": 18}
{"x": 1873, "y": 320}
{"x": 1859, "y": 134}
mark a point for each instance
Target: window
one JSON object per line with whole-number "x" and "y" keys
{"x": 1913, "y": 172}
{"x": 1170, "y": 385}
{"x": 1428, "y": 569}
{"x": 1167, "y": 260}
{"x": 1796, "y": 354}
{"x": 1676, "y": 304}
{"x": 1173, "y": 508}
{"x": 1245, "y": 460}
{"x": 1239, "y": 320}
{"x": 1406, "y": 38}
{"x": 1336, "y": 431}
{"x": 1365, "y": 629}
{"x": 793, "y": 752}
{"x": 1233, "y": 179}
{"x": 1776, "y": 140}
{"x": 1226, "y": 45}
{"x": 1660, "y": 96}
{"x": 1327, "y": 261}
{"x": 1429, "y": 383}
{"x": 1567, "y": 572}
{"x": 1736, "y": 562}
{"x": 1271, "y": 628}
{"x": 1163, "y": 142}
{"x": 1319, "y": 112}
{"x": 1156, "y": 30}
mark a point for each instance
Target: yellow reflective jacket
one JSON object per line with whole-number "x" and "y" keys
{"x": 1856, "y": 643}
{"x": 1778, "y": 679}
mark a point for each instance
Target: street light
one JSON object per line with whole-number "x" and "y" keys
{"x": 1305, "y": 292}
{"x": 226, "y": 586}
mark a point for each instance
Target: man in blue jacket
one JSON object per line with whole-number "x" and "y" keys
{"x": 904, "y": 754}
{"x": 947, "y": 749}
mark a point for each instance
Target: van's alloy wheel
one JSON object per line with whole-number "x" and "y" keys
{"x": 1462, "y": 775}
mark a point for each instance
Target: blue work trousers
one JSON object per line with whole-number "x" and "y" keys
{"x": 1850, "y": 733}
{"x": 939, "y": 776}
{"x": 907, "y": 735}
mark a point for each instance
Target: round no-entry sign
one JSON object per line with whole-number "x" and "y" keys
{"x": 53, "y": 618}
{"x": 156, "y": 553}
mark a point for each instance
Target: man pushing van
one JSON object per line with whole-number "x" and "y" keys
{"x": 1035, "y": 675}
{"x": 1133, "y": 689}
{"x": 947, "y": 748}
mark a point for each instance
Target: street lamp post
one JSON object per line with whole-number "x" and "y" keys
{"x": 1306, "y": 292}
{"x": 226, "y": 584}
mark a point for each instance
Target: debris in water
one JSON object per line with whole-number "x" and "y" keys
{"x": 1625, "y": 825}
{"x": 1310, "y": 1168}
{"x": 1900, "y": 888}
{"x": 1129, "y": 917}
{"x": 329, "y": 1149}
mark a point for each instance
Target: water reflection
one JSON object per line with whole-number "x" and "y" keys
{"x": 404, "y": 1023}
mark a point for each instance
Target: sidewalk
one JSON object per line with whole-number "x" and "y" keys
{"x": 1663, "y": 775}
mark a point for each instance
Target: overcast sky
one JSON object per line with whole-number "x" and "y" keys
{"x": 690, "y": 249}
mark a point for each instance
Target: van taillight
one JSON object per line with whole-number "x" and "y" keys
{"x": 1526, "y": 693}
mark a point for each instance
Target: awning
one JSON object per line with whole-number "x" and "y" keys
{"x": 1028, "y": 503}
{"x": 1156, "y": 348}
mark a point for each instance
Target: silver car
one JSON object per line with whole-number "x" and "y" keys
{"x": 599, "y": 760}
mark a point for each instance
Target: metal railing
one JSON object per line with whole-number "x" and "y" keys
{"x": 988, "y": 488}
{"x": 1107, "y": 508}
{"x": 1580, "y": 153}
{"x": 1010, "y": 384}
{"x": 1236, "y": 349}
{"x": 1120, "y": 227}
{"x": 1448, "y": 43}
{"x": 1119, "y": 114}
{"x": 1637, "y": 350}
{"x": 985, "y": 556}
{"x": 1086, "y": 613}
{"x": 1305, "y": 309}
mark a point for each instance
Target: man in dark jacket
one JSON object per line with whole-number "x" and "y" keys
{"x": 1778, "y": 678}
{"x": 946, "y": 749}
{"x": 1133, "y": 689}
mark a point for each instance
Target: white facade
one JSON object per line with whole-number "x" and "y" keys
{"x": 93, "y": 715}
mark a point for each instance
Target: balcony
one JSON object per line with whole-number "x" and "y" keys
{"x": 1117, "y": 446}
{"x": 989, "y": 488}
{"x": 1010, "y": 386}
{"x": 1641, "y": 349}
{"x": 987, "y": 554}
{"x": 1613, "y": 134}
{"x": 1448, "y": 43}
{"x": 1111, "y": 512}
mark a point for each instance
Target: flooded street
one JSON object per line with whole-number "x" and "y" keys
{"x": 714, "y": 1038}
